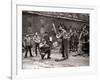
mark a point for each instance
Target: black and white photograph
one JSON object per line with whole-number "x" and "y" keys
{"x": 55, "y": 39}
{"x": 50, "y": 40}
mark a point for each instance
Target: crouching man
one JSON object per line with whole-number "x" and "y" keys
{"x": 44, "y": 49}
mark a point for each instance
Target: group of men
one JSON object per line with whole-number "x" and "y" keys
{"x": 70, "y": 41}
{"x": 40, "y": 43}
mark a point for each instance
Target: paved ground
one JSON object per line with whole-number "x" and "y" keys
{"x": 36, "y": 62}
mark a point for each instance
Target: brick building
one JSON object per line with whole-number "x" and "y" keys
{"x": 42, "y": 21}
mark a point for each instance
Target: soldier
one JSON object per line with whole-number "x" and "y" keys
{"x": 64, "y": 36}
{"x": 84, "y": 39}
{"x": 28, "y": 45}
{"x": 37, "y": 40}
{"x": 71, "y": 40}
{"x": 75, "y": 36}
{"x": 44, "y": 49}
{"x": 83, "y": 46}
{"x": 45, "y": 46}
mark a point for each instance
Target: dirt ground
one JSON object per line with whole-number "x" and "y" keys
{"x": 36, "y": 62}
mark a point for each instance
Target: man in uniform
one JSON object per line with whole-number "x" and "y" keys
{"x": 84, "y": 39}
{"x": 75, "y": 40}
{"x": 37, "y": 40}
{"x": 28, "y": 45}
{"x": 48, "y": 42}
{"x": 64, "y": 36}
{"x": 83, "y": 42}
{"x": 45, "y": 46}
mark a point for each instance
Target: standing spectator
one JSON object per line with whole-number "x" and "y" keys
{"x": 83, "y": 46}
{"x": 76, "y": 41}
{"x": 28, "y": 45}
{"x": 70, "y": 40}
{"x": 37, "y": 40}
{"x": 84, "y": 39}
